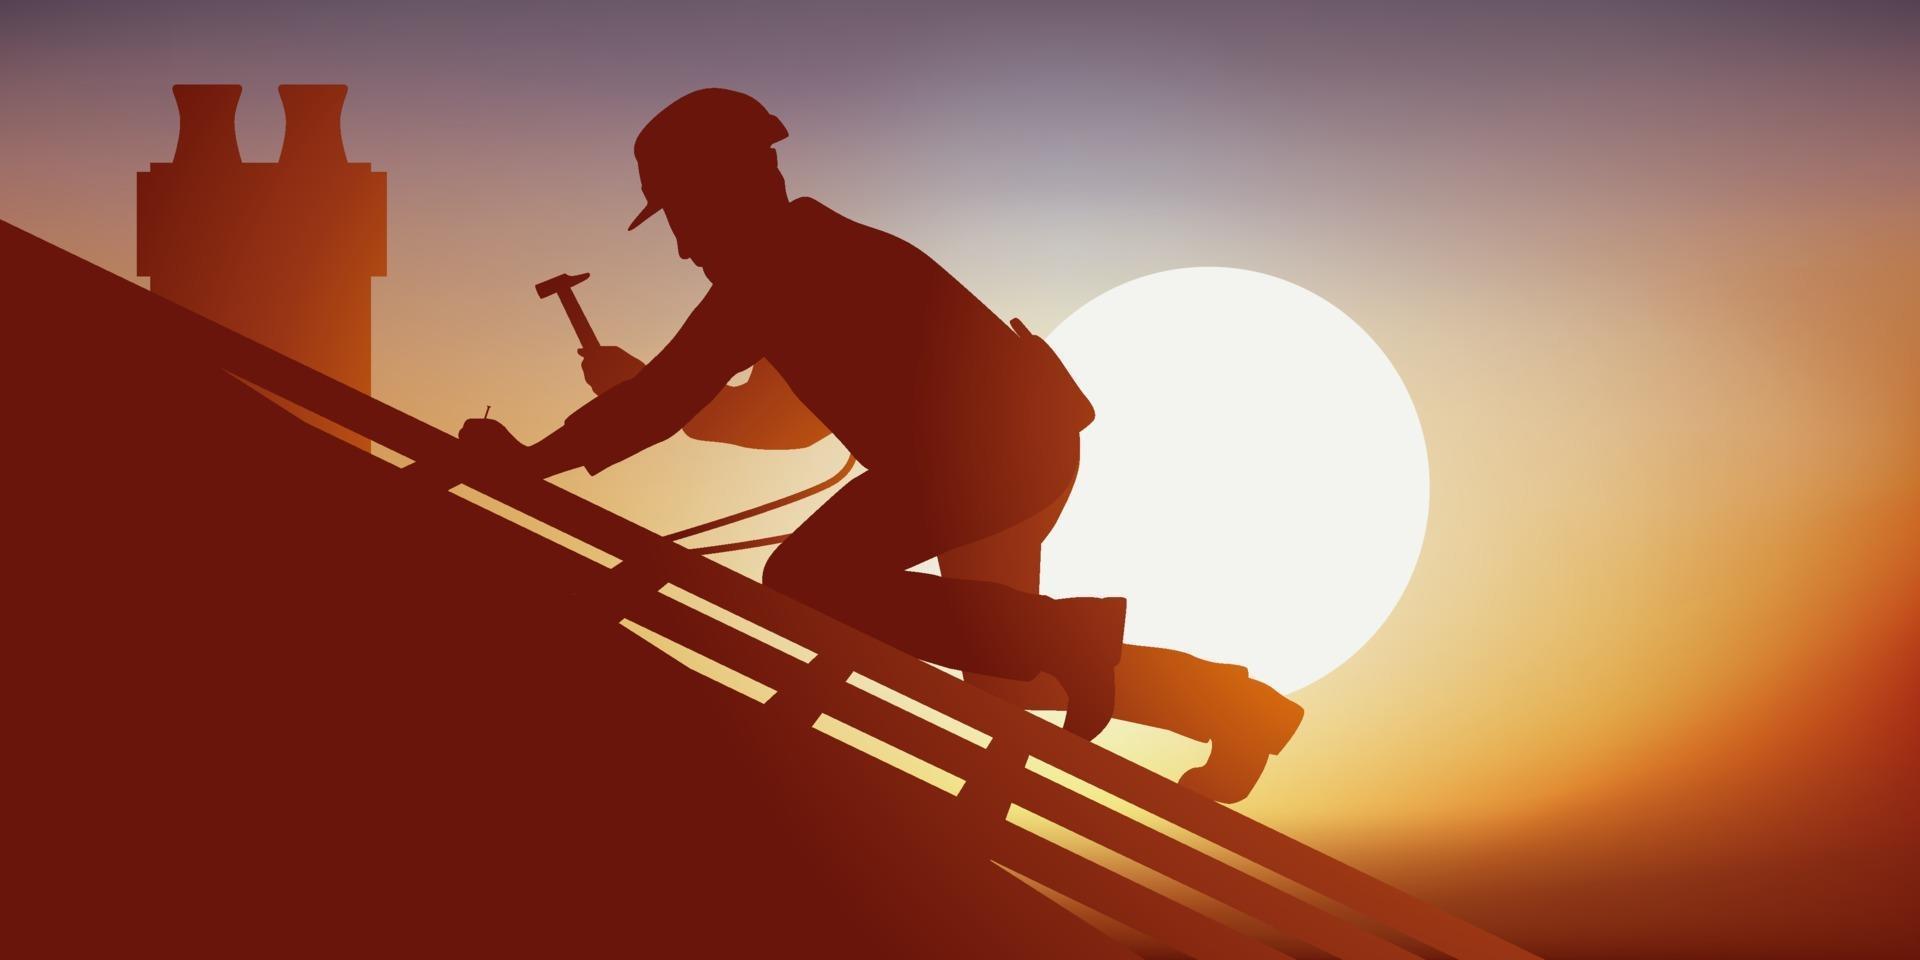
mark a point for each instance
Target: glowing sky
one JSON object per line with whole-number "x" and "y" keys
{"x": 1646, "y": 269}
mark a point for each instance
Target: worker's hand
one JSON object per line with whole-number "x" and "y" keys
{"x": 608, "y": 367}
{"x": 490, "y": 445}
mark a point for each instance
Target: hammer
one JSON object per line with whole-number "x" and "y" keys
{"x": 563, "y": 285}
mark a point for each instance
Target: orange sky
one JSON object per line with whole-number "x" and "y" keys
{"x": 1649, "y": 278}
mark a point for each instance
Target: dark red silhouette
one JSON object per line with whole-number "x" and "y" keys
{"x": 968, "y": 430}
{"x": 282, "y": 698}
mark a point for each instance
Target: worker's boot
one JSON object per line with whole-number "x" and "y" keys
{"x": 1085, "y": 650}
{"x": 1250, "y": 722}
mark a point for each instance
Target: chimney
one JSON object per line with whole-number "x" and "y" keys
{"x": 282, "y": 252}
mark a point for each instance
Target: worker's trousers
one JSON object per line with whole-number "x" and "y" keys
{"x": 984, "y": 614}
{"x": 850, "y": 560}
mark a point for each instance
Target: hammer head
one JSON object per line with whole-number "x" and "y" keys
{"x": 552, "y": 285}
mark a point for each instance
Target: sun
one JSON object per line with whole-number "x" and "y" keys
{"x": 1256, "y": 479}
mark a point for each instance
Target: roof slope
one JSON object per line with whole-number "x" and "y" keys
{"x": 270, "y": 699}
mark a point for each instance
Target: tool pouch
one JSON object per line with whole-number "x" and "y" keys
{"x": 1055, "y": 389}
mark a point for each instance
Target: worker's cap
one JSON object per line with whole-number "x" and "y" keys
{"x": 696, "y": 134}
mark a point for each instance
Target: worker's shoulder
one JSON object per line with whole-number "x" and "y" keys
{"x": 830, "y": 229}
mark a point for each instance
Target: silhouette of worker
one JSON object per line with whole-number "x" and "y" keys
{"x": 968, "y": 429}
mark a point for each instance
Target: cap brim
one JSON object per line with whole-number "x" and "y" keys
{"x": 650, "y": 210}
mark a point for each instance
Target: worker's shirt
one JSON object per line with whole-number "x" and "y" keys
{"x": 887, "y": 349}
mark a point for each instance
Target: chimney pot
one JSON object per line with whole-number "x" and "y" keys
{"x": 313, "y": 123}
{"x": 206, "y": 124}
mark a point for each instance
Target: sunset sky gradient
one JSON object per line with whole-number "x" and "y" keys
{"x": 1650, "y": 272}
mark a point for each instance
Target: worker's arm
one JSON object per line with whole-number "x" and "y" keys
{"x": 762, "y": 413}
{"x": 712, "y": 346}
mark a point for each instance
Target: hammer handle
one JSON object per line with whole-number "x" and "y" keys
{"x": 578, "y": 318}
